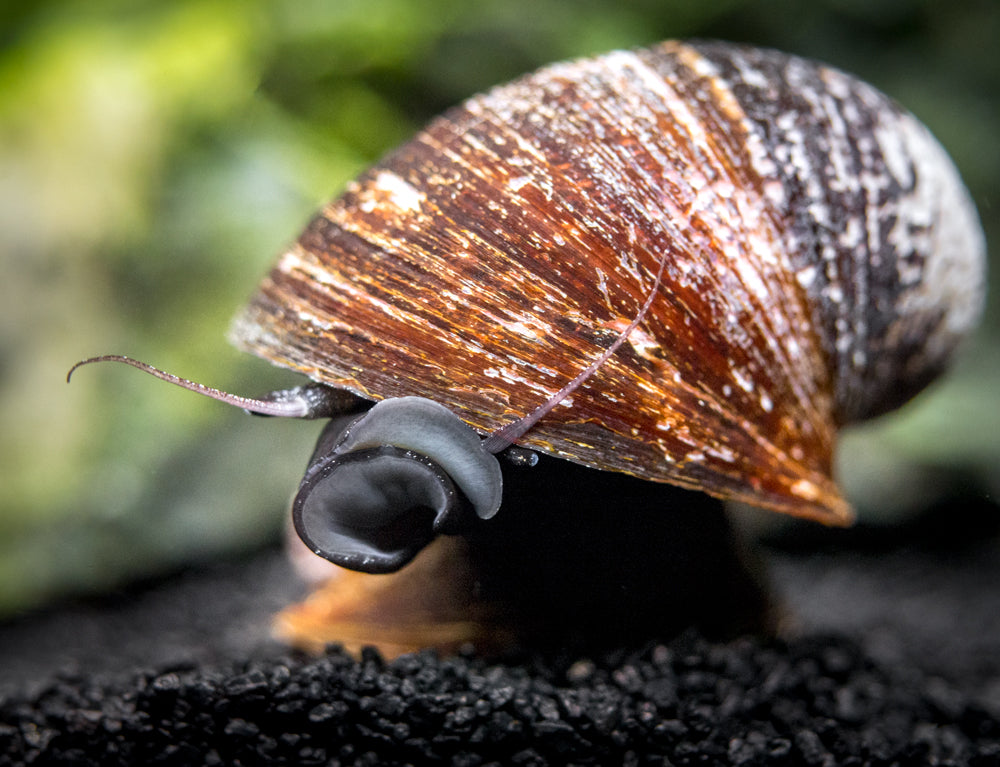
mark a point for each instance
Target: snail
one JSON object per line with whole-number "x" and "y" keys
{"x": 691, "y": 264}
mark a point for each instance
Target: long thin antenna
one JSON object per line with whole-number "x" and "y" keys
{"x": 507, "y": 435}
{"x": 310, "y": 401}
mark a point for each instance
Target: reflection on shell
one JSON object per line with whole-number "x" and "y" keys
{"x": 823, "y": 260}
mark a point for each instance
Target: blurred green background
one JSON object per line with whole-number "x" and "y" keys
{"x": 156, "y": 156}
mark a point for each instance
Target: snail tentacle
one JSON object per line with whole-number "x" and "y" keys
{"x": 506, "y": 436}
{"x": 309, "y": 401}
{"x": 520, "y": 456}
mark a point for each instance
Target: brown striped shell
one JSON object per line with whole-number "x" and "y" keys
{"x": 823, "y": 259}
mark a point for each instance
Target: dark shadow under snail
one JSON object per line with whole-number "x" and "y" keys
{"x": 721, "y": 254}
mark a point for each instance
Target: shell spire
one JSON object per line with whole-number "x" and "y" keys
{"x": 490, "y": 259}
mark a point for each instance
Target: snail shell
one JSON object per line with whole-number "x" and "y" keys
{"x": 822, "y": 259}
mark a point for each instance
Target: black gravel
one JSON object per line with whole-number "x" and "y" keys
{"x": 894, "y": 660}
{"x": 815, "y": 701}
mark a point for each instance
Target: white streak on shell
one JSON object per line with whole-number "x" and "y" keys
{"x": 890, "y": 251}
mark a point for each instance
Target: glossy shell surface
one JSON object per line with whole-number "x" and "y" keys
{"x": 822, "y": 261}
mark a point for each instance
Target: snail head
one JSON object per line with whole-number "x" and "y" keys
{"x": 385, "y": 480}
{"x": 381, "y": 486}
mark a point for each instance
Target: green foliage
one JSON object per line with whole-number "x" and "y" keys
{"x": 155, "y": 156}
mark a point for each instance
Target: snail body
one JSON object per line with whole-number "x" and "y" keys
{"x": 690, "y": 264}
{"x": 821, "y": 260}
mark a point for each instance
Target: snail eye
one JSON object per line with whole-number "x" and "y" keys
{"x": 380, "y": 487}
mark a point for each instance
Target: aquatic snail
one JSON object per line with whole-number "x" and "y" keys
{"x": 691, "y": 264}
